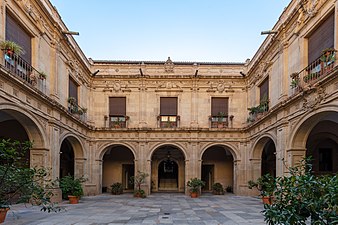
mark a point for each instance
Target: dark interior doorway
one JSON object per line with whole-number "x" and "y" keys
{"x": 128, "y": 172}
{"x": 168, "y": 175}
{"x": 208, "y": 177}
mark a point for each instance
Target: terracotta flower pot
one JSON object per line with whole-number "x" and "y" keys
{"x": 3, "y": 213}
{"x": 194, "y": 194}
{"x": 73, "y": 199}
{"x": 266, "y": 200}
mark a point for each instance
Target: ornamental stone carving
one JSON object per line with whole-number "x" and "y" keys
{"x": 169, "y": 66}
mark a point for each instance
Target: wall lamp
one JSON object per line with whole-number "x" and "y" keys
{"x": 269, "y": 32}
{"x": 70, "y": 32}
{"x": 243, "y": 74}
{"x": 96, "y": 72}
{"x": 141, "y": 72}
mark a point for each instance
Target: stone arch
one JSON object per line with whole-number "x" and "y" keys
{"x": 258, "y": 145}
{"x": 35, "y": 130}
{"x": 217, "y": 166}
{"x": 234, "y": 150}
{"x": 162, "y": 178}
{"x": 260, "y": 151}
{"x": 102, "y": 150}
{"x": 78, "y": 159}
{"x": 116, "y": 164}
{"x": 76, "y": 142}
{"x": 159, "y": 145}
{"x": 299, "y": 137}
{"x": 302, "y": 129}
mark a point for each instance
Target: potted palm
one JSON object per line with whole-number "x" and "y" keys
{"x": 11, "y": 47}
{"x": 138, "y": 180}
{"x": 71, "y": 188}
{"x": 266, "y": 185}
{"x": 195, "y": 186}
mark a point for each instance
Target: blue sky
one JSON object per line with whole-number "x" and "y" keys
{"x": 185, "y": 30}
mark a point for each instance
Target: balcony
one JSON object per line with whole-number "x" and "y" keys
{"x": 76, "y": 110}
{"x": 118, "y": 121}
{"x": 314, "y": 72}
{"x": 22, "y": 70}
{"x": 219, "y": 121}
{"x": 168, "y": 121}
{"x": 256, "y": 112}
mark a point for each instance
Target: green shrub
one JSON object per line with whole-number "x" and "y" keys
{"x": 71, "y": 186}
{"x": 302, "y": 195}
{"x": 116, "y": 188}
{"x": 217, "y": 189}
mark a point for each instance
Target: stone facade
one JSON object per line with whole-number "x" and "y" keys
{"x": 232, "y": 148}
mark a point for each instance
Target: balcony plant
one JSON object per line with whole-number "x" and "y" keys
{"x": 266, "y": 185}
{"x": 11, "y": 47}
{"x": 138, "y": 180}
{"x": 116, "y": 188}
{"x": 195, "y": 185}
{"x": 217, "y": 189}
{"x": 72, "y": 188}
{"x": 18, "y": 182}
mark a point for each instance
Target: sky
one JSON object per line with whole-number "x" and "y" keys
{"x": 185, "y": 30}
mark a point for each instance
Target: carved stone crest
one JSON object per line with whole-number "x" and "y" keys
{"x": 312, "y": 102}
{"x": 169, "y": 66}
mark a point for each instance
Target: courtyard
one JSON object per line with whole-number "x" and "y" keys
{"x": 158, "y": 208}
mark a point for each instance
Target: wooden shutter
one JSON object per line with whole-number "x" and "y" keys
{"x": 264, "y": 90}
{"x": 168, "y": 106}
{"x": 73, "y": 89}
{"x": 321, "y": 38}
{"x": 117, "y": 106}
{"x": 16, "y": 33}
{"x": 219, "y": 105}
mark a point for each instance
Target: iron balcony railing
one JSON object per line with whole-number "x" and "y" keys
{"x": 218, "y": 121}
{"x": 118, "y": 121}
{"x": 168, "y": 121}
{"x": 314, "y": 72}
{"x": 21, "y": 69}
{"x": 78, "y": 111}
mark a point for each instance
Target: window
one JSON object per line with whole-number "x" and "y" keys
{"x": 322, "y": 38}
{"x": 219, "y": 112}
{"x": 264, "y": 96}
{"x": 72, "y": 89}
{"x": 117, "y": 112}
{"x": 264, "y": 91}
{"x": 16, "y": 33}
{"x": 168, "y": 112}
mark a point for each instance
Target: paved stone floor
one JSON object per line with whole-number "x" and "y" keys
{"x": 161, "y": 208}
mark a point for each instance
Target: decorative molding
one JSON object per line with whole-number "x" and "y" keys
{"x": 313, "y": 101}
{"x": 169, "y": 86}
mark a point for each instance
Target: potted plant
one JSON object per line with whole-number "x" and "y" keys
{"x": 71, "y": 100}
{"x": 11, "y": 47}
{"x": 266, "y": 185}
{"x": 195, "y": 186}
{"x": 138, "y": 180}
{"x": 229, "y": 189}
{"x": 220, "y": 116}
{"x": 217, "y": 189}
{"x": 18, "y": 182}
{"x": 71, "y": 188}
{"x": 116, "y": 188}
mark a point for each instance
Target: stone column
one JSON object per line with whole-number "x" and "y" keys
{"x": 294, "y": 156}
{"x": 280, "y": 150}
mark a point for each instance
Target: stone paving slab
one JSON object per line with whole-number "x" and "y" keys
{"x": 158, "y": 208}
